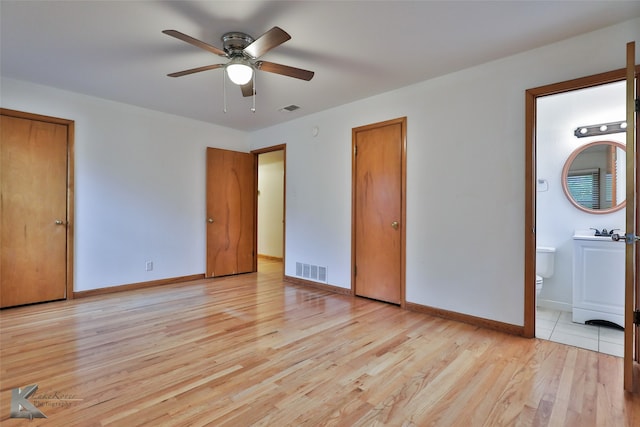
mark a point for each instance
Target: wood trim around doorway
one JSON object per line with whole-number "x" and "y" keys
{"x": 531, "y": 96}
{"x": 70, "y": 124}
{"x": 256, "y": 153}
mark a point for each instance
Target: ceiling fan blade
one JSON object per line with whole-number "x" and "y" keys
{"x": 195, "y": 42}
{"x": 247, "y": 90}
{"x": 285, "y": 70}
{"x": 195, "y": 70}
{"x": 263, "y": 44}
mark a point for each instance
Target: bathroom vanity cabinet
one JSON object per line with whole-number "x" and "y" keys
{"x": 598, "y": 279}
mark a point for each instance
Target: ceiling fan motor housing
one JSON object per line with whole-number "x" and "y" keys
{"x": 234, "y": 43}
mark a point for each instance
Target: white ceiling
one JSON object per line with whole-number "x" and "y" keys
{"x": 115, "y": 49}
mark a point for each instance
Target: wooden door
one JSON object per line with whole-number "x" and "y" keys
{"x": 632, "y": 282}
{"x": 378, "y": 210}
{"x": 231, "y": 220}
{"x": 33, "y": 162}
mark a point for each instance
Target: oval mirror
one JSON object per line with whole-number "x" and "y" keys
{"x": 593, "y": 178}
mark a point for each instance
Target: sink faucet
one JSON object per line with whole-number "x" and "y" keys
{"x": 604, "y": 231}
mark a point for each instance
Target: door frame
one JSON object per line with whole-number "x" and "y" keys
{"x": 256, "y": 153}
{"x": 531, "y": 96}
{"x": 403, "y": 202}
{"x": 632, "y": 253}
{"x": 70, "y": 124}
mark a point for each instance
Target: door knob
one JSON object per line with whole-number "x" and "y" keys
{"x": 395, "y": 225}
{"x": 59, "y": 222}
{"x": 210, "y": 220}
{"x": 628, "y": 238}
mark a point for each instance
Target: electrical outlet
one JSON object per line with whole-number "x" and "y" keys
{"x": 148, "y": 266}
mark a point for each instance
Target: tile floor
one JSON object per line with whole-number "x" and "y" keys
{"x": 555, "y": 325}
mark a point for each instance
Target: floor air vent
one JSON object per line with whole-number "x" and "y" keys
{"x": 311, "y": 272}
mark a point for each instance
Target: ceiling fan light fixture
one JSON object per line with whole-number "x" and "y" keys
{"x": 239, "y": 72}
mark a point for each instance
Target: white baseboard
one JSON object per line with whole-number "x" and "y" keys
{"x": 554, "y": 305}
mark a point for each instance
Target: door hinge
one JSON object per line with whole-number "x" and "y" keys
{"x": 637, "y": 105}
{"x": 636, "y": 317}
{"x": 355, "y": 150}
{"x": 355, "y": 270}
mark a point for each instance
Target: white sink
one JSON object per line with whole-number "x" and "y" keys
{"x": 589, "y": 235}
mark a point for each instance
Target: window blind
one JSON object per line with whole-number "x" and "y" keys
{"x": 584, "y": 186}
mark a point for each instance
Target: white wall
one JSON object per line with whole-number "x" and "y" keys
{"x": 271, "y": 203}
{"x": 465, "y": 177}
{"x": 139, "y": 185}
{"x": 556, "y": 218}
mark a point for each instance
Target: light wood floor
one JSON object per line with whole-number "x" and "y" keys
{"x": 252, "y": 350}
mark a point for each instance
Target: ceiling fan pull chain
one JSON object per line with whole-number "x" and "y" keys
{"x": 224, "y": 91}
{"x": 253, "y": 109}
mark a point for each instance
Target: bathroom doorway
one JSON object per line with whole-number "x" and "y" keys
{"x": 537, "y": 184}
{"x": 551, "y": 217}
{"x": 567, "y": 204}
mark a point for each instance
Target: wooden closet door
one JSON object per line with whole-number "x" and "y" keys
{"x": 378, "y": 211}
{"x": 33, "y": 162}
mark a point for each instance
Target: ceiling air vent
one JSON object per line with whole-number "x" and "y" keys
{"x": 289, "y": 108}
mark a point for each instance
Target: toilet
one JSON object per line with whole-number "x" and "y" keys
{"x": 545, "y": 257}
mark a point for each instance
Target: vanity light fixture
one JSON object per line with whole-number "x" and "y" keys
{"x": 601, "y": 129}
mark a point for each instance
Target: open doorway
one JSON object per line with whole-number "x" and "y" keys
{"x": 580, "y": 178}
{"x": 270, "y": 206}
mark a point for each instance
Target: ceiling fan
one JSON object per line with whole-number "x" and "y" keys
{"x": 243, "y": 52}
